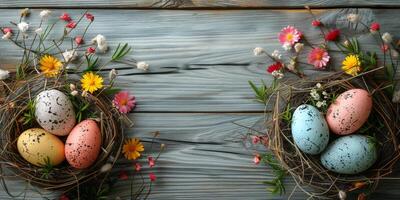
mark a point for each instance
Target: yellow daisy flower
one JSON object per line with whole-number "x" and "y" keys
{"x": 351, "y": 65}
{"x": 132, "y": 148}
{"x": 50, "y": 66}
{"x": 91, "y": 82}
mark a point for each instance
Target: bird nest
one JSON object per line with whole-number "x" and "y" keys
{"x": 308, "y": 173}
{"x": 63, "y": 176}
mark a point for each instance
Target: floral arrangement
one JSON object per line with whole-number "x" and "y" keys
{"x": 62, "y": 119}
{"x": 336, "y": 135}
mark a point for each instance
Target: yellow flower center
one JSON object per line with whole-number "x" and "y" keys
{"x": 289, "y": 36}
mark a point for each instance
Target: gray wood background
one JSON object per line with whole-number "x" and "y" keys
{"x": 195, "y": 110}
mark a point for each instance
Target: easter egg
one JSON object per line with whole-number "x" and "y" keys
{"x": 54, "y": 112}
{"x": 83, "y": 144}
{"x": 309, "y": 129}
{"x": 349, "y": 111}
{"x": 39, "y": 147}
{"x": 350, "y": 154}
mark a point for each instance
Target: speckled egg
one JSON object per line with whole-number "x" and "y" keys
{"x": 83, "y": 144}
{"x": 54, "y": 112}
{"x": 349, "y": 111}
{"x": 309, "y": 129}
{"x": 38, "y": 146}
{"x": 350, "y": 154}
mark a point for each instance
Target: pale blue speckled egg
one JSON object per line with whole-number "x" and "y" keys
{"x": 309, "y": 129}
{"x": 350, "y": 154}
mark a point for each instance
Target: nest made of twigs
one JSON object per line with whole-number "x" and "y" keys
{"x": 306, "y": 170}
{"x": 63, "y": 176}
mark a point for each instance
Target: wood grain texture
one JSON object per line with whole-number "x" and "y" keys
{"x": 197, "y": 3}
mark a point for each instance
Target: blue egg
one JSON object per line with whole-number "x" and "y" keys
{"x": 350, "y": 154}
{"x": 309, "y": 129}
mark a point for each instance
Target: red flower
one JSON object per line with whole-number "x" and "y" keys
{"x": 151, "y": 161}
{"x": 152, "y": 177}
{"x": 65, "y": 17}
{"x": 332, "y": 35}
{"x": 123, "y": 175}
{"x": 257, "y": 159}
{"x": 7, "y": 30}
{"x": 71, "y": 25}
{"x": 274, "y": 67}
{"x": 138, "y": 167}
{"x": 255, "y": 139}
{"x": 90, "y": 50}
{"x": 316, "y": 23}
{"x": 89, "y": 16}
{"x": 79, "y": 40}
{"x": 64, "y": 197}
{"x": 375, "y": 26}
{"x": 384, "y": 47}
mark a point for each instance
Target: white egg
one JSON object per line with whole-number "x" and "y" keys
{"x": 54, "y": 112}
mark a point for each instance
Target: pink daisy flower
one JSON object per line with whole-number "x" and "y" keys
{"x": 124, "y": 102}
{"x": 319, "y": 58}
{"x": 289, "y": 35}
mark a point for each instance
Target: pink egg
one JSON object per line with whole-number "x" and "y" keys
{"x": 349, "y": 111}
{"x": 83, "y": 144}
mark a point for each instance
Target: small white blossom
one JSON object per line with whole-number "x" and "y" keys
{"x": 106, "y": 167}
{"x": 326, "y": 95}
{"x": 387, "y": 38}
{"x": 276, "y": 54}
{"x": 258, "y": 51}
{"x": 101, "y": 42}
{"x": 353, "y": 18}
{"x": 84, "y": 93}
{"x": 277, "y": 74}
{"x": 346, "y": 43}
{"x": 318, "y": 85}
{"x": 7, "y": 36}
{"x": 342, "y": 195}
{"x": 72, "y": 87}
{"x": 394, "y": 53}
{"x": 113, "y": 74}
{"x": 45, "y": 13}
{"x": 23, "y": 26}
{"x": 4, "y": 74}
{"x": 143, "y": 66}
{"x": 298, "y": 47}
{"x": 39, "y": 31}
{"x": 287, "y": 46}
{"x": 70, "y": 55}
{"x": 319, "y": 104}
{"x": 314, "y": 94}
{"x": 74, "y": 93}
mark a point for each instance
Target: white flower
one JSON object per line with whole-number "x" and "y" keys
{"x": 84, "y": 93}
{"x": 113, "y": 74}
{"x": 106, "y": 167}
{"x": 346, "y": 43}
{"x": 318, "y": 85}
{"x": 72, "y": 87}
{"x": 387, "y": 38}
{"x": 276, "y": 54}
{"x": 45, "y": 13}
{"x": 101, "y": 42}
{"x": 319, "y": 104}
{"x": 70, "y": 55}
{"x": 277, "y": 74}
{"x": 4, "y": 74}
{"x": 39, "y": 31}
{"x": 314, "y": 94}
{"x": 23, "y": 26}
{"x": 258, "y": 51}
{"x": 342, "y": 195}
{"x": 7, "y": 36}
{"x": 143, "y": 66}
{"x": 287, "y": 46}
{"x": 353, "y": 18}
{"x": 298, "y": 47}
{"x": 394, "y": 53}
{"x": 74, "y": 93}
{"x": 326, "y": 95}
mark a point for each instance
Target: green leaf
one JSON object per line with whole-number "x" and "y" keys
{"x": 121, "y": 51}
{"x": 111, "y": 91}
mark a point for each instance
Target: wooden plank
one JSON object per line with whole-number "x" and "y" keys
{"x": 219, "y": 42}
{"x": 196, "y": 3}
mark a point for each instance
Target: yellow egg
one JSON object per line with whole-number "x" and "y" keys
{"x": 37, "y": 146}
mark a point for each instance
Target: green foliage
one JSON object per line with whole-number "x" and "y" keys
{"x": 82, "y": 109}
{"x": 29, "y": 115}
{"x": 263, "y": 92}
{"x": 276, "y": 185}
{"x": 287, "y": 114}
{"x": 121, "y": 51}
{"x": 47, "y": 168}
{"x": 92, "y": 63}
{"x": 111, "y": 91}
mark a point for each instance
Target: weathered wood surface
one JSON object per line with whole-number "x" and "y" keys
{"x": 194, "y": 109}
{"x": 197, "y": 3}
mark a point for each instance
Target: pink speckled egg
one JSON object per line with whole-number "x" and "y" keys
{"x": 83, "y": 144}
{"x": 349, "y": 111}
